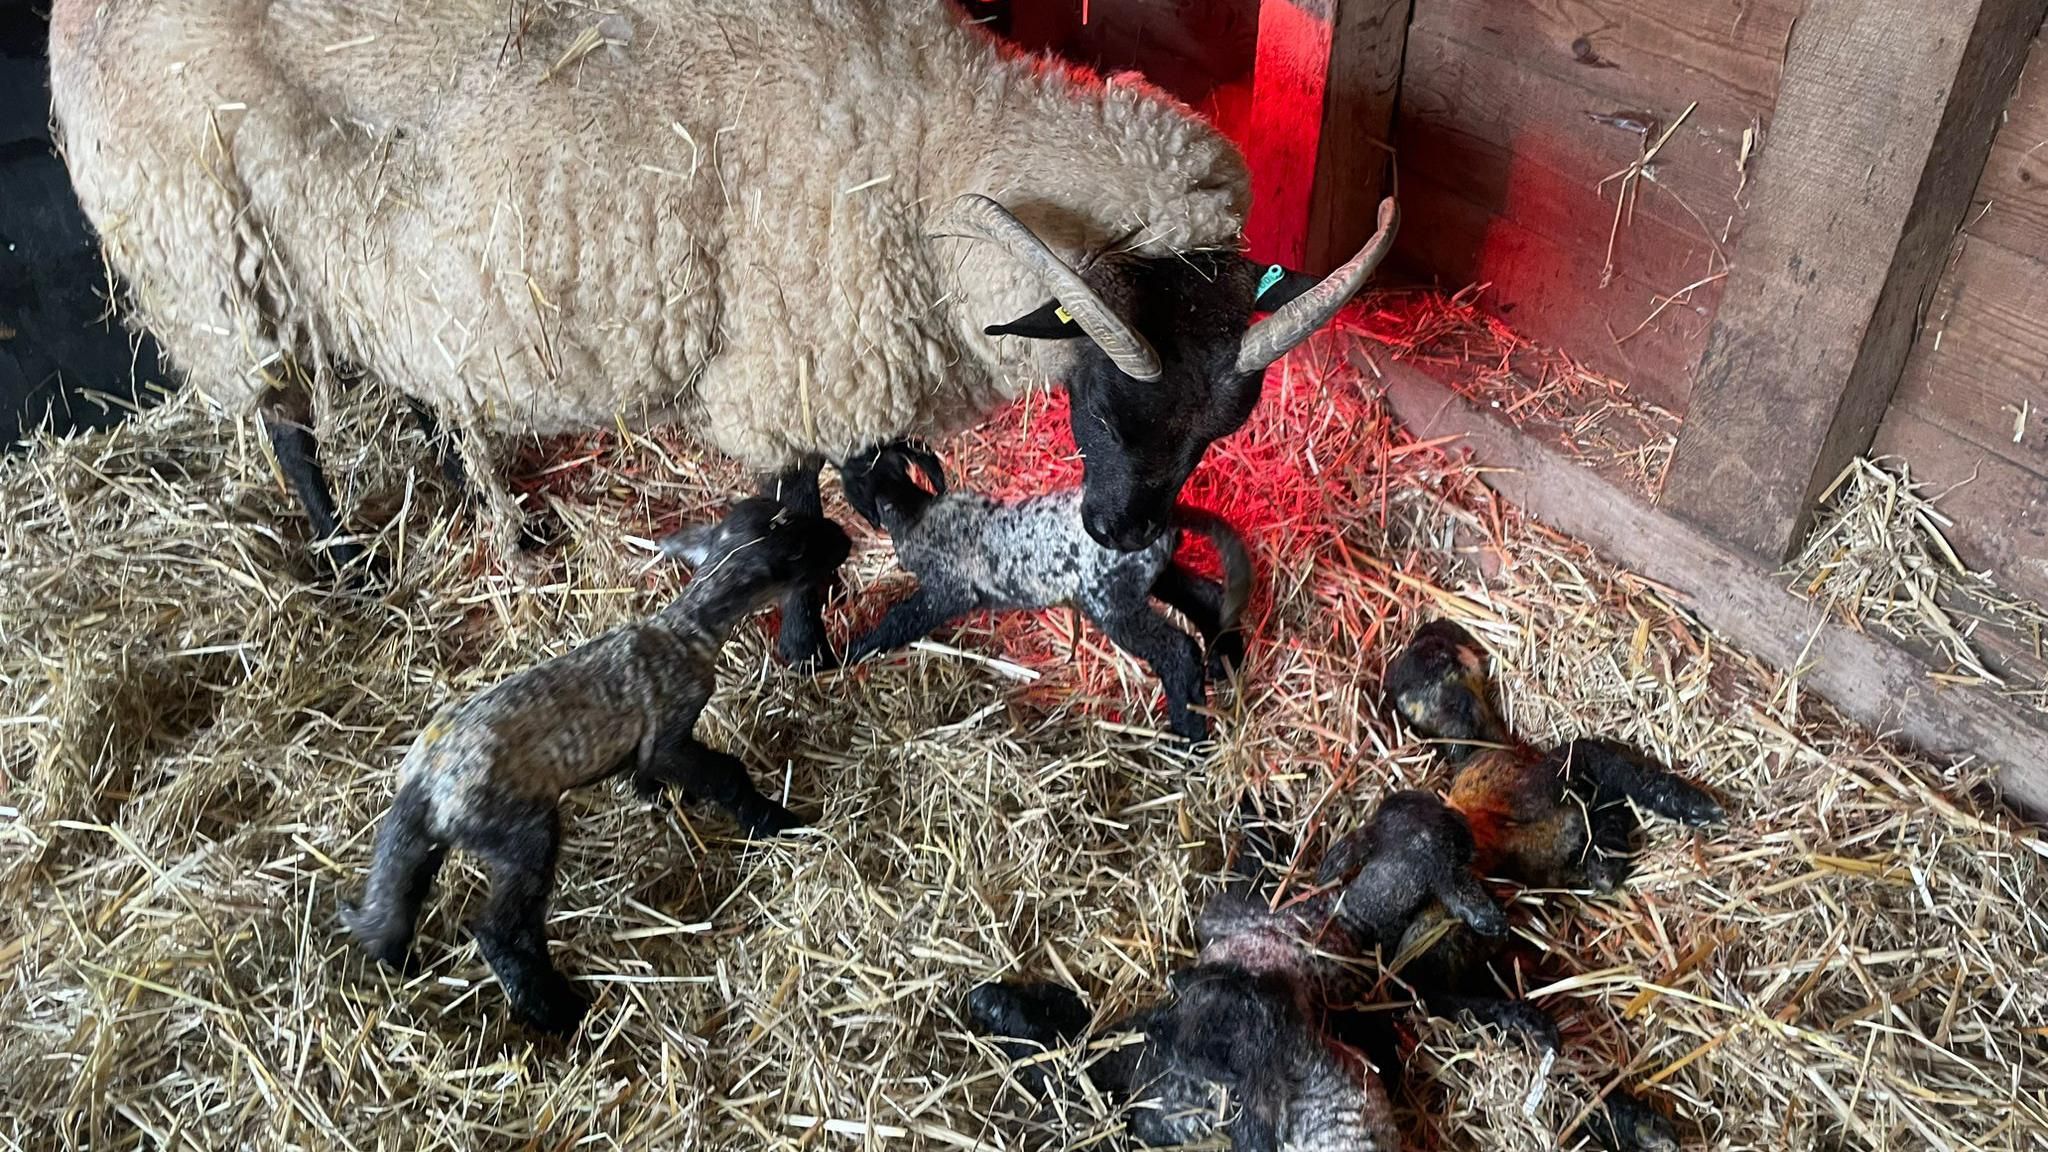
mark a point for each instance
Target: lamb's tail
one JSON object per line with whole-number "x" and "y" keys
{"x": 1237, "y": 560}
{"x": 402, "y": 872}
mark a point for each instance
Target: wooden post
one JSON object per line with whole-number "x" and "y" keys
{"x": 1323, "y": 93}
{"x": 1885, "y": 116}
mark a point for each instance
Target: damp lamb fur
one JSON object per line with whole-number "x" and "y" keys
{"x": 487, "y": 775}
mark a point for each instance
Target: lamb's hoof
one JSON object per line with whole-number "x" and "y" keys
{"x": 1604, "y": 874}
{"x": 386, "y": 948}
{"x": 1623, "y": 1123}
{"x": 801, "y": 643}
{"x": 1517, "y": 1016}
{"x": 653, "y": 790}
{"x": 1192, "y": 727}
{"x": 1689, "y": 805}
{"x": 774, "y": 822}
{"x": 551, "y": 1005}
{"x": 1042, "y": 1013}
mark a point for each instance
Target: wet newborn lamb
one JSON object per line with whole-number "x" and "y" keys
{"x": 970, "y": 552}
{"x": 1240, "y": 1045}
{"x": 487, "y": 775}
{"x": 1557, "y": 819}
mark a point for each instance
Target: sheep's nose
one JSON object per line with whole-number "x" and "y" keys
{"x": 1124, "y": 536}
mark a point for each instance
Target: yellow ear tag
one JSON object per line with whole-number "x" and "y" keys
{"x": 1061, "y": 312}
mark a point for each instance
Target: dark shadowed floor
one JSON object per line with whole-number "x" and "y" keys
{"x": 61, "y": 358}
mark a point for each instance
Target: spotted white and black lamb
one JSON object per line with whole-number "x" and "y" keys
{"x": 971, "y": 552}
{"x": 487, "y": 775}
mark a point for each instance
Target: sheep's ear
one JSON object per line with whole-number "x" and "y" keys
{"x": 1048, "y": 321}
{"x": 692, "y": 545}
{"x": 1278, "y": 286}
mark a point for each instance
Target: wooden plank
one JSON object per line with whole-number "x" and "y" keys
{"x": 1982, "y": 356}
{"x": 2013, "y": 197}
{"x": 1884, "y": 121}
{"x": 1367, "y": 46}
{"x": 1723, "y": 53}
{"x": 1871, "y": 681}
{"x": 1552, "y": 292}
{"x": 1532, "y": 148}
{"x": 1999, "y": 510}
{"x": 1323, "y": 92}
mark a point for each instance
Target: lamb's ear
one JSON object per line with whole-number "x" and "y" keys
{"x": 1048, "y": 321}
{"x": 1469, "y": 901}
{"x": 1278, "y": 286}
{"x": 691, "y": 545}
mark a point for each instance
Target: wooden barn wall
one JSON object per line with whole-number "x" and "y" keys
{"x": 1199, "y": 50}
{"x": 1971, "y": 413}
{"x": 1514, "y": 112}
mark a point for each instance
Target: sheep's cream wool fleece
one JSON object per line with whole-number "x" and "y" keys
{"x": 547, "y": 218}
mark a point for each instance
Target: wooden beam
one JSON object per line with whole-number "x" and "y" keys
{"x": 1327, "y": 75}
{"x": 1875, "y": 683}
{"x": 1885, "y": 116}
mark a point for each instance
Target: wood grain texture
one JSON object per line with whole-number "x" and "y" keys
{"x": 1368, "y": 42}
{"x": 1982, "y": 355}
{"x": 1548, "y": 291}
{"x": 2012, "y": 200}
{"x": 1323, "y": 94}
{"x": 1883, "y": 124}
{"x": 1723, "y": 53}
{"x": 1873, "y": 682}
{"x": 1530, "y": 148}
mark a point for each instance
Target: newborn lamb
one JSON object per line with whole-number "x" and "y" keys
{"x": 487, "y": 775}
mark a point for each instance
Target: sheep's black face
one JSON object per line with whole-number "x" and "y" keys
{"x": 1141, "y": 439}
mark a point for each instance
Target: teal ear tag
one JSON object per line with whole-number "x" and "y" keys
{"x": 1274, "y": 274}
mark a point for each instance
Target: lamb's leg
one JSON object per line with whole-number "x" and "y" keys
{"x": 1201, "y": 601}
{"x": 1263, "y": 849}
{"x": 802, "y": 640}
{"x": 1623, "y": 1123}
{"x": 1025, "y": 1020}
{"x": 681, "y": 761}
{"x": 925, "y": 611}
{"x": 401, "y": 874}
{"x": 519, "y": 853}
{"x": 287, "y": 416}
{"x": 1508, "y": 1015}
{"x": 1131, "y": 623}
{"x": 1615, "y": 771}
{"x": 445, "y": 452}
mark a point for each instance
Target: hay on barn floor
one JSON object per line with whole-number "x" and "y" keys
{"x": 1877, "y": 556}
{"x": 198, "y": 737}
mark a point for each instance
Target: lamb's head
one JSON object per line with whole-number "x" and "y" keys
{"x": 1169, "y": 359}
{"x": 1227, "y": 1025}
{"x": 758, "y": 550}
{"x": 1415, "y": 851}
{"x": 1438, "y": 684}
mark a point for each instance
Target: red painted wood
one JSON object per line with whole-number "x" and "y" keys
{"x": 1289, "y": 82}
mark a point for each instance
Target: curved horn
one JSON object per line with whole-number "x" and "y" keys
{"x": 1130, "y": 352}
{"x": 1297, "y": 320}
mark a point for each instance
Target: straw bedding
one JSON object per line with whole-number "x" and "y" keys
{"x": 197, "y": 738}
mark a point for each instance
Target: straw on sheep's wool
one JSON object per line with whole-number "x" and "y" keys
{"x": 197, "y": 739}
